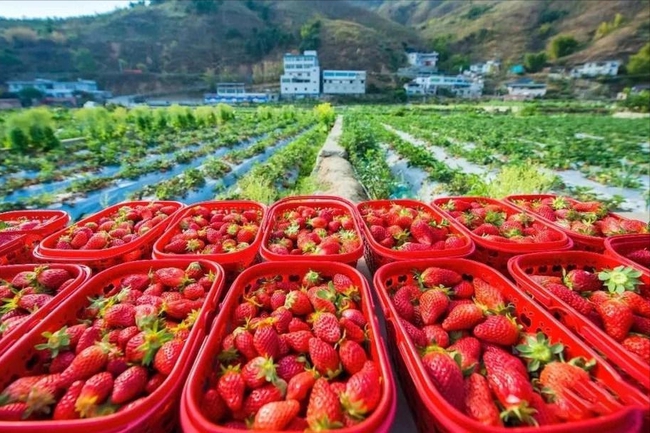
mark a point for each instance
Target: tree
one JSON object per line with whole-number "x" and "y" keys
{"x": 534, "y": 62}
{"x": 203, "y": 7}
{"x": 310, "y": 35}
{"x": 28, "y": 94}
{"x": 639, "y": 63}
{"x": 209, "y": 77}
{"x": 562, "y": 46}
{"x": 84, "y": 61}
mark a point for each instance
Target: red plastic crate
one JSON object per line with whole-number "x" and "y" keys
{"x": 79, "y": 274}
{"x": 192, "y": 419}
{"x": 159, "y": 411}
{"x": 497, "y": 254}
{"x": 51, "y": 221}
{"x": 377, "y": 255}
{"x": 232, "y": 263}
{"x": 580, "y": 241}
{"x": 99, "y": 260}
{"x": 620, "y": 246}
{"x": 431, "y": 410}
{"x": 553, "y": 264}
{"x": 287, "y": 203}
{"x": 12, "y": 249}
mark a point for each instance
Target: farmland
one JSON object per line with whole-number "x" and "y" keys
{"x": 83, "y": 160}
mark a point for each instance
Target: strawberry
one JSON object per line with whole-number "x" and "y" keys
{"x": 154, "y": 383}
{"x": 617, "y": 318}
{"x": 641, "y": 325}
{"x": 352, "y": 356}
{"x": 34, "y": 302}
{"x": 213, "y": 406}
{"x": 509, "y": 381}
{"x": 326, "y": 327}
{"x": 19, "y": 388}
{"x": 559, "y": 377}
{"x": 418, "y": 336}
{"x": 244, "y": 343}
{"x": 23, "y": 279}
{"x": 324, "y": 409}
{"x": 171, "y": 277}
{"x": 266, "y": 342}
{"x": 231, "y": 387}
{"x": 61, "y": 362}
{"x": 129, "y": 385}
{"x": 463, "y": 290}
{"x": 488, "y": 295}
{"x": 276, "y": 415}
{"x": 120, "y": 315}
{"x": 88, "y": 362}
{"x": 641, "y": 257}
{"x": 167, "y": 356}
{"x": 13, "y": 412}
{"x": 298, "y": 303}
{"x": 299, "y": 386}
{"x": 436, "y": 335}
{"x": 544, "y": 414}
{"x": 324, "y": 358}
{"x": 501, "y": 330}
{"x": 258, "y": 371}
{"x": 53, "y": 279}
{"x": 433, "y": 277}
{"x": 402, "y": 300}
{"x": 639, "y": 345}
{"x": 582, "y": 281}
{"x": 639, "y": 305}
{"x": 299, "y": 340}
{"x": 97, "y": 241}
{"x": 433, "y": 303}
{"x": 445, "y": 374}
{"x": 572, "y": 298}
{"x": 65, "y": 407}
{"x": 469, "y": 349}
{"x": 421, "y": 231}
{"x": 289, "y": 366}
{"x": 93, "y": 393}
{"x": 311, "y": 279}
{"x": 143, "y": 346}
{"x": 478, "y": 401}
{"x": 463, "y": 317}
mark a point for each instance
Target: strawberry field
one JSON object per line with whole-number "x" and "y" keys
{"x": 287, "y": 269}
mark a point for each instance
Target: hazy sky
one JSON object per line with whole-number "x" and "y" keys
{"x": 56, "y": 8}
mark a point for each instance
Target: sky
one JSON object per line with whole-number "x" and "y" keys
{"x": 56, "y": 8}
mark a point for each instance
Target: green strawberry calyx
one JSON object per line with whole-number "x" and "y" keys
{"x": 620, "y": 279}
{"x": 538, "y": 350}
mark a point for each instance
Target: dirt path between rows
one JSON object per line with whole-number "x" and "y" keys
{"x": 333, "y": 171}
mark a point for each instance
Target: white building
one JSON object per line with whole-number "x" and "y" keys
{"x": 487, "y": 68}
{"x": 301, "y": 76}
{"x": 344, "y": 82}
{"x": 428, "y": 60}
{"x": 526, "y": 89}
{"x": 58, "y": 89}
{"x": 459, "y": 85}
{"x": 596, "y": 69}
{"x": 234, "y": 93}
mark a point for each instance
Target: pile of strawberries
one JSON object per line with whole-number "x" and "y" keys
{"x": 614, "y": 299}
{"x": 496, "y": 223}
{"x": 27, "y": 292}
{"x": 21, "y": 224}
{"x": 298, "y": 358}
{"x": 214, "y": 231}
{"x": 640, "y": 256}
{"x": 116, "y": 353}
{"x": 406, "y": 228}
{"x": 475, "y": 353}
{"x": 308, "y": 230}
{"x": 586, "y": 218}
{"x": 123, "y": 226}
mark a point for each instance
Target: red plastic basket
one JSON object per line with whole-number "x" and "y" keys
{"x": 232, "y": 263}
{"x": 159, "y": 411}
{"x": 431, "y": 410}
{"x": 12, "y": 249}
{"x": 580, "y": 241}
{"x": 288, "y": 203}
{"x": 192, "y": 419}
{"x": 99, "y": 260}
{"x": 377, "y": 255}
{"x": 620, "y": 246}
{"x": 497, "y": 254}
{"x": 79, "y": 274}
{"x": 553, "y": 264}
{"x": 50, "y": 221}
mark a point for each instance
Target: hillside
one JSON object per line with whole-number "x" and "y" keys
{"x": 507, "y": 29}
{"x": 173, "y": 46}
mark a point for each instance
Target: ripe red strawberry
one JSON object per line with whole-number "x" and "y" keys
{"x": 258, "y": 398}
{"x": 469, "y": 349}
{"x": 93, "y": 393}
{"x": 362, "y": 393}
{"x": 34, "y": 301}
{"x": 88, "y": 362}
{"x": 97, "y": 241}
{"x": 65, "y": 407}
{"x": 478, "y": 401}
{"x": 352, "y": 356}
{"x": 488, "y": 295}
{"x": 641, "y": 257}
{"x": 617, "y": 318}
{"x": 639, "y": 305}
{"x": 641, "y": 325}
{"x": 298, "y": 303}
{"x": 171, "y": 277}
{"x": 421, "y": 231}
{"x": 129, "y": 385}
{"x": 463, "y": 290}
{"x": 61, "y": 362}
{"x": 378, "y": 232}
{"x": 436, "y": 335}
{"x": 53, "y": 279}
{"x": 433, "y": 304}
{"x": 501, "y": 330}
{"x": 120, "y": 315}
{"x": 79, "y": 240}
{"x": 326, "y": 327}
{"x": 324, "y": 358}
{"x": 580, "y": 280}
{"x": 259, "y": 371}
{"x": 19, "y": 388}
{"x": 544, "y": 413}
{"x": 181, "y": 308}
{"x": 276, "y": 415}
{"x": 244, "y": 343}
{"x": 299, "y": 340}
{"x": 299, "y": 386}
{"x": 433, "y": 277}
{"x": 143, "y": 346}
{"x": 13, "y": 412}
{"x": 154, "y": 383}
{"x": 561, "y": 376}
{"x": 167, "y": 356}
{"x": 445, "y": 374}
{"x": 463, "y": 317}
{"x": 231, "y": 387}
{"x": 352, "y": 331}
{"x": 213, "y": 406}
{"x": 639, "y": 345}
{"x": 402, "y": 300}
{"x": 266, "y": 342}
{"x": 289, "y": 366}
{"x": 572, "y": 298}
{"x": 324, "y": 408}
